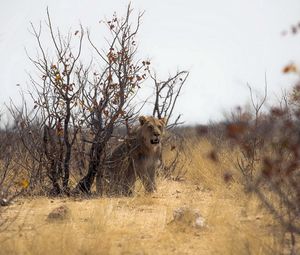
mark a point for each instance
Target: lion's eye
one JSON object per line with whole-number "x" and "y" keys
{"x": 159, "y": 126}
{"x": 151, "y": 128}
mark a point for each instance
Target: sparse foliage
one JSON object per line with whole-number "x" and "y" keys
{"x": 269, "y": 144}
{"x": 79, "y": 109}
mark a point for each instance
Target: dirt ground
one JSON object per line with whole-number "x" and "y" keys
{"x": 142, "y": 224}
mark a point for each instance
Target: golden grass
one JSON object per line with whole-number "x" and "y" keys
{"x": 141, "y": 224}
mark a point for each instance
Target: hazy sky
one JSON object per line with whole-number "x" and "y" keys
{"x": 224, "y": 44}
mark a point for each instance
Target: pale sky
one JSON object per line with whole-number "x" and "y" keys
{"x": 224, "y": 45}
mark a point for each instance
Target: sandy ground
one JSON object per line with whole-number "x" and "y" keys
{"x": 139, "y": 225}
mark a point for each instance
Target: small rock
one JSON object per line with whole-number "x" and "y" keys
{"x": 178, "y": 213}
{"x": 189, "y": 216}
{"x": 59, "y": 213}
{"x": 4, "y": 202}
{"x": 199, "y": 222}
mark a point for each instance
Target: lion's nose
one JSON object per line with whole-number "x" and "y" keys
{"x": 156, "y": 134}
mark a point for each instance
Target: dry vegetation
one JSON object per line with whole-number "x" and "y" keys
{"x": 235, "y": 222}
{"x": 225, "y": 188}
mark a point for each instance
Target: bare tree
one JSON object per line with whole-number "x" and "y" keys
{"x": 253, "y": 141}
{"x": 55, "y": 94}
{"x": 166, "y": 95}
{"x": 78, "y": 107}
{"x": 111, "y": 91}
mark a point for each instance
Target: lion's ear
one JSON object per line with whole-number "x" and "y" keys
{"x": 142, "y": 120}
{"x": 163, "y": 121}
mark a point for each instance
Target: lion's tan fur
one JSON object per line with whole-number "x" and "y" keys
{"x": 137, "y": 157}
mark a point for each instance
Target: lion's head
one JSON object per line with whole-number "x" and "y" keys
{"x": 151, "y": 130}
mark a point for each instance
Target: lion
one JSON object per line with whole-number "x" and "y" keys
{"x": 138, "y": 156}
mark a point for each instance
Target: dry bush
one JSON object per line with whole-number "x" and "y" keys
{"x": 80, "y": 108}
{"x": 175, "y": 156}
{"x": 267, "y": 155}
{"x": 13, "y": 178}
{"x": 235, "y": 223}
{"x": 259, "y": 149}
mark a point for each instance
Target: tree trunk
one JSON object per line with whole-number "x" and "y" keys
{"x": 99, "y": 143}
{"x": 86, "y": 182}
{"x": 68, "y": 149}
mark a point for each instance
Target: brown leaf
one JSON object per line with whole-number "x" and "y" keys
{"x": 236, "y": 129}
{"x": 291, "y": 68}
{"x": 227, "y": 177}
{"x": 267, "y": 167}
{"x": 213, "y": 156}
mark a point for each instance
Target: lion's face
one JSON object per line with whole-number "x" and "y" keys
{"x": 152, "y": 130}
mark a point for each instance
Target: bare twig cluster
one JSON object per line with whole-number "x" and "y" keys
{"x": 80, "y": 111}
{"x": 270, "y": 162}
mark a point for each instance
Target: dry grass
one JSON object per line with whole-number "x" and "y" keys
{"x": 141, "y": 225}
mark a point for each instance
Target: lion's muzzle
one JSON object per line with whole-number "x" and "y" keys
{"x": 155, "y": 140}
